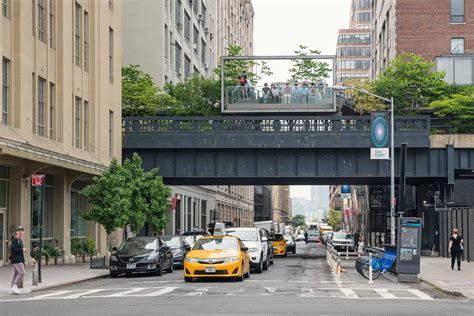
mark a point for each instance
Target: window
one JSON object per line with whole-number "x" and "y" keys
{"x": 195, "y": 7}
{"x": 203, "y": 13}
{"x": 167, "y": 43}
{"x": 177, "y": 58}
{"x": 111, "y": 4}
{"x": 40, "y": 5}
{"x": 363, "y": 17}
{"x": 52, "y": 110}
{"x": 111, "y": 55}
{"x": 187, "y": 67}
{"x": 5, "y": 7}
{"x": 86, "y": 41}
{"x": 78, "y": 122}
{"x": 5, "y": 90}
{"x": 41, "y": 106}
{"x": 354, "y": 39}
{"x": 203, "y": 52}
{"x": 111, "y": 133}
{"x": 353, "y": 64}
{"x": 177, "y": 12}
{"x": 77, "y": 34}
{"x": 196, "y": 40}
{"x": 86, "y": 125}
{"x": 457, "y": 46}
{"x": 51, "y": 23}
{"x": 187, "y": 27}
{"x": 353, "y": 51}
{"x": 457, "y": 11}
{"x": 78, "y": 207}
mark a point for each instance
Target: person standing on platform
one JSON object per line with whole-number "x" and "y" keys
{"x": 456, "y": 247}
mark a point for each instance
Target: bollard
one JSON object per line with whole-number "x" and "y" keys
{"x": 339, "y": 267}
{"x": 35, "y": 273}
{"x": 347, "y": 252}
{"x": 370, "y": 269}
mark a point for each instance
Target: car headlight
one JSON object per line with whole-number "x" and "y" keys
{"x": 152, "y": 256}
{"x": 253, "y": 249}
{"x": 113, "y": 258}
{"x": 177, "y": 252}
{"x": 191, "y": 259}
{"x": 232, "y": 259}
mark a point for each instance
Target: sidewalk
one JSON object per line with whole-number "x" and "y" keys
{"x": 437, "y": 271}
{"x": 52, "y": 275}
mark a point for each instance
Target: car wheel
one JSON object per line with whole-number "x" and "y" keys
{"x": 247, "y": 275}
{"x": 294, "y": 250}
{"x": 159, "y": 271}
{"x": 171, "y": 268}
{"x": 241, "y": 277}
{"x": 259, "y": 269}
{"x": 266, "y": 264}
{"x": 286, "y": 254}
{"x": 113, "y": 275}
{"x": 271, "y": 260}
{"x": 188, "y": 279}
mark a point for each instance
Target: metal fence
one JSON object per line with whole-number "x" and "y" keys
{"x": 463, "y": 219}
{"x": 99, "y": 263}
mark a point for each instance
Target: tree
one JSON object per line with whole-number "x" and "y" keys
{"x": 299, "y": 220}
{"x": 411, "y": 82}
{"x": 109, "y": 197}
{"x": 308, "y": 69}
{"x": 335, "y": 219}
{"x": 364, "y": 103}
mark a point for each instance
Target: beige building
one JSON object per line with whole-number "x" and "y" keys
{"x": 61, "y": 114}
{"x": 234, "y": 26}
{"x": 281, "y": 203}
{"x": 235, "y": 205}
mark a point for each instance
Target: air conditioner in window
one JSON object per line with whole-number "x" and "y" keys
{"x": 206, "y": 30}
{"x": 195, "y": 46}
{"x": 211, "y": 35}
{"x": 178, "y": 72}
{"x": 206, "y": 66}
{"x": 191, "y": 3}
{"x": 179, "y": 26}
{"x": 200, "y": 17}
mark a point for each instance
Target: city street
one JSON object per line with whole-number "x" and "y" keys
{"x": 299, "y": 284}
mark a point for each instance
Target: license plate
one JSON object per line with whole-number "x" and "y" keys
{"x": 210, "y": 270}
{"x": 131, "y": 265}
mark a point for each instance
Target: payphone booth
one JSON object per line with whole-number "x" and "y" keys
{"x": 408, "y": 249}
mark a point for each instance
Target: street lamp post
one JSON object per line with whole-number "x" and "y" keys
{"x": 392, "y": 157}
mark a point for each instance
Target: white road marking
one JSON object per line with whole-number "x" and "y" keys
{"x": 384, "y": 293}
{"x": 270, "y": 289}
{"x": 198, "y": 292}
{"x": 49, "y": 295}
{"x": 125, "y": 293}
{"x": 306, "y": 292}
{"x": 164, "y": 291}
{"x": 348, "y": 292}
{"x": 420, "y": 294}
{"x": 78, "y": 295}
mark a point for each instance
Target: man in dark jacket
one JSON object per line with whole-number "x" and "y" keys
{"x": 17, "y": 259}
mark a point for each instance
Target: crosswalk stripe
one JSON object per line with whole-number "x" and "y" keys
{"x": 57, "y": 293}
{"x": 124, "y": 293}
{"x": 78, "y": 295}
{"x": 307, "y": 292}
{"x": 348, "y": 292}
{"x": 420, "y": 294}
{"x": 164, "y": 291}
{"x": 384, "y": 293}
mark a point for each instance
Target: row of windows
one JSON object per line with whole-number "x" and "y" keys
{"x": 353, "y": 64}
{"x": 344, "y": 77}
{"x": 354, "y": 39}
{"x": 353, "y": 51}
{"x": 5, "y": 90}
{"x": 363, "y": 17}
{"x": 362, "y": 4}
{"x": 178, "y": 10}
{"x": 44, "y": 107}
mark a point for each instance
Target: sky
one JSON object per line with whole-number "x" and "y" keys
{"x": 280, "y": 26}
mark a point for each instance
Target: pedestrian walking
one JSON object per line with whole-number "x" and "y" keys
{"x": 456, "y": 247}
{"x": 357, "y": 240}
{"x": 306, "y": 237}
{"x": 17, "y": 259}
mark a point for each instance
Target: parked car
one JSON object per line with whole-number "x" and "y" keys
{"x": 341, "y": 240}
{"x": 279, "y": 245}
{"x": 290, "y": 244}
{"x": 141, "y": 254}
{"x": 217, "y": 256}
{"x": 325, "y": 237}
{"x": 192, "y": 236}
{"x": 266, "y": 234}
{"x": 300, "y": 237}
{"x": 257, "y": 246}
{"x": 313, "y": 235}
{"x": 179, "y": 248}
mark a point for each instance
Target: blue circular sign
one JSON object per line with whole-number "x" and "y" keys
{"x": 379, "y": 131}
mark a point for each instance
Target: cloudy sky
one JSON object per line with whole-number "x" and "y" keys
{"x": 281, "y": 25}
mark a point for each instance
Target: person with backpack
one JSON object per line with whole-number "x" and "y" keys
{"x": 17, "y": 259}
{"x": 243, "y": 84}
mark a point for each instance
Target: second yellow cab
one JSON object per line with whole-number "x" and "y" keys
{"x": 279, "y": 245}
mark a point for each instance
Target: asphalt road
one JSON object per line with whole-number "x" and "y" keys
{"x": 299, "y": 284}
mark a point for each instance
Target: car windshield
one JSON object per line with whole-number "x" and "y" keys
{"x": 244, "y": 235}
{"x": 172, "y": 241}
{"x": 313, "y": 233}
{"x": 139, "y": 244}
{"x": 342, "y": 236}
{"x": 225, "y": 243}
{"x": 276, "y": 237}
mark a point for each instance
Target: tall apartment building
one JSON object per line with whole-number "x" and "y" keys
{"x": 434, "y": 29}
{"x": 353, "y": 52}
{"x": 281, "y": 203}
{"x": 234, "y": 26}
{"x": 170, "y": 39}
{"x": 61, "y": 114}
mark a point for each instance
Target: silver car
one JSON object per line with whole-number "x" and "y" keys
{"x": 341, "y": 240}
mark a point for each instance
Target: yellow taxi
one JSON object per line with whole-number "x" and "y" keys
{"x": 217, "y": 256}
{"x": 279, "y": 245}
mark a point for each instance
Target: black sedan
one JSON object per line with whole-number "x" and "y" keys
{"x": 141, "y": 254}
{"x": 179, "y": 248}
{"x": 290, "y": 244}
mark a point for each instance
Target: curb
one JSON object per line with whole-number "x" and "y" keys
{"x": 445, "y": 291}
{"x": 46, "y": 287}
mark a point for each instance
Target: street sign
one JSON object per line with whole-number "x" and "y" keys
{"x": 345, "y": 188}
{"x": 345, "y": 196}
{"x": 37, "y": 180}
{"x": 379, "y": 153}
{"x": 173, "y": 203}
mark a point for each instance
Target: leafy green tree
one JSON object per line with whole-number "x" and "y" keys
{"x": 139, "y": 92}
{"x": 299, "y": 220}
{"x": 335, "y": 219}
{"x": 308, "y": 69}
{"x": 364, "y": 103}
{"x": 411, "y": 82}
{"x": 109, "y": 197}
{"x": 156, "y": 196}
